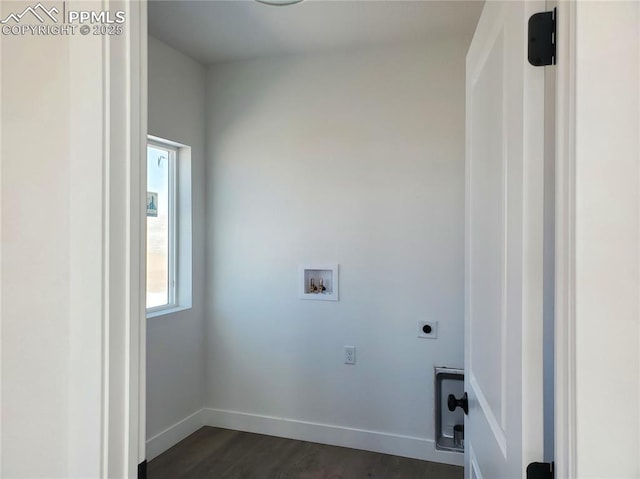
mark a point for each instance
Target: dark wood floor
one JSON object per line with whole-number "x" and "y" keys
{"x": 213, "y": 453}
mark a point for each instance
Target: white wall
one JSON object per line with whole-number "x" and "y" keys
{"x": 356, "y": 158}
{"x": 35, "y": 255}
{"x": 175, "y": 342}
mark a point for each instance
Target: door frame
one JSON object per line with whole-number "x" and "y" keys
{"x": 598, "y": 51}
{"x": 565, "y": 218}
{"x": 565, "y": 422}
{"x": 124, "y": 132}
{"x": 105, "y": 429}
{"x": 135, "y": 117}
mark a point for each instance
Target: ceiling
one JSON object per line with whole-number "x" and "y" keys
{"x": 214, "y": 31}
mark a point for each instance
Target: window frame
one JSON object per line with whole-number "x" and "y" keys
{"x": 172, "y": 273}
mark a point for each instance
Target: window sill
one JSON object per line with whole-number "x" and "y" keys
{"x": 163, "y": 312}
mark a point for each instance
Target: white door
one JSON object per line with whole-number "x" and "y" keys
{"x": 504, "y": 246}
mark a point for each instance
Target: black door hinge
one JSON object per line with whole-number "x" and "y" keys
{"x": 540, "y": 470}
{"x": 542, "y": 39}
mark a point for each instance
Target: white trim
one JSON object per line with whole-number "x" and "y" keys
{"x": 1, "y": 449}
{"x": 375, "y": 441}
{"x": 166, "y": 310}
{"x": 163, "y": 142}
{"x": 104, "y": 465}
{"x": 124, "y": 201}
{"x": 89, "y": 248}
{"x": 368, "y": 440}
{"x": 138, "y": 180}
{"x": 172, "y": 435}
{"x": 565, "y": 380}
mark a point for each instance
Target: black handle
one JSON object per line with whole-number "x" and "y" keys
{"x": 454, "y": 403}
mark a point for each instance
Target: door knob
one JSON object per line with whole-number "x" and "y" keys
{"x": 454, "y": 403}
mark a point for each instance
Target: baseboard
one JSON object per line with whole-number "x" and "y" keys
{"x": 399, "y": 445}
{"x": 159, "y": 443}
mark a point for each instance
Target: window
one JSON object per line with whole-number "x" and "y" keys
{"x": 169, "y": 233}
{"x": 161, "y": 226}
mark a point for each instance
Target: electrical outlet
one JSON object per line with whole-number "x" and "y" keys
{"x": 428, "y": 329}
{"x": 349, "y": 354}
